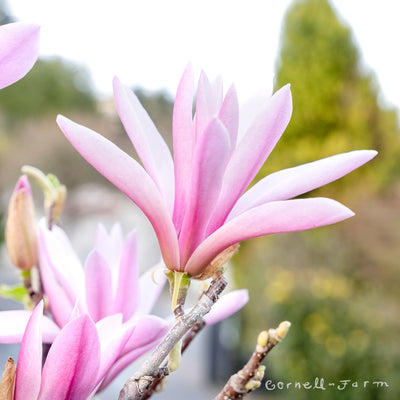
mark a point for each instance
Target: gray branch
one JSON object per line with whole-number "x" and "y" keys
{"x": 137, "y": 385}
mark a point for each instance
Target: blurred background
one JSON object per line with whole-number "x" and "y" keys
{"x": 338, "y": 285}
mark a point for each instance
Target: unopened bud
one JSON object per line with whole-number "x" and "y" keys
{"x": 21, "y": 237}
{"x": 262, "y": 340}
{"x": 8, "y": 380}
{"x": 283, "y": 329}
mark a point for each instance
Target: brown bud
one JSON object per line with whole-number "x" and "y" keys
{"x": 21, "y": 236}
{"x": 8, "y": 380}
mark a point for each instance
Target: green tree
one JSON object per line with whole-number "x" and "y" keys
{"x": 336, "y": 105}
{"x": 336, "y": 284}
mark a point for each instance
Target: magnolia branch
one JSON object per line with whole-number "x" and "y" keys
{"x": 250, "y": 376}
{"x": 138, "y": 384}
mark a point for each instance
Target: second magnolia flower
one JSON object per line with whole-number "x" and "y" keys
{"x": 196, "y": 202}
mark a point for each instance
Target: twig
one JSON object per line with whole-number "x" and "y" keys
{"x": 137, "y": 385}
{"x": 249, "y": 378}
{"x": 154, "y": 387}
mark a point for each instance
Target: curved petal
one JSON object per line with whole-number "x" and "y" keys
{"x": 210, "y": 159}
{"x": 149, "y": 144}
{"x": 13, "y": 325}
{"x": 183, "y": 140}
{"x": 147, "y": 335}
{"x": 18, "y": 52}
{"x": 62, "y": 259}
{"x": 226, "y": 306}
{"x": 293, "y": 182}
{"x": 252, "y": 151}
{"x": 110, "y": 245}
{"x": 208, "y": 103}
{"x": 113, "y": 338}
{"x": 125, "y": 173}
{"x": 151, "y": 284}
{"x": 99, "y": 286}
{"x": 127, "y": 293}
{"x": 60, "y": 304}
{"x": 229, "y": 115}
{"x": 28, "y": 378}
{"x": 72, "y": 364}
{"x": 269, "y": 218}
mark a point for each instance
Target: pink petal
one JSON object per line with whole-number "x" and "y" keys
{"x": 62, "y": 259}
{"x": 99, "y": 286}
{"x": 148, "y": 333}
{"x": 113, "y": 338}
{"x": 127, "y": 293}
{"x": 252, "y": 152}
{"x": 183, "y": 139}
{"x": 209, "y": 162}
{"x": 29, "y": 366}
{"x": 125, "y": 173}
{"x": 110, "y": 245}
{"x": 208, "y": 102}
{"x": 151, "y": 284}
{"x": 18, "y": 52}
{"x": 60, "y": 304}
{"x": 229, "y": 115}
{"x": 72, "y": 364}
{"x": 269, "y": 218}
{"x": 149, "y": 144}
{"x": 13, "y": 325}
{"x": 292, "y": 182}
{"x": 226, "y": 306}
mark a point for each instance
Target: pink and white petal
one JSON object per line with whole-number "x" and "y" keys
{"x": 18, "y": 52}
{"x": 110, "y": 245}
{"x": 251, "y": 152}
{"x": 148, "y": 328}
{"x": 13, "y": 325}
{"x": 183, "y": 142}
{"x": 127, "y": 291}
{"x": 151, "y": 284}
{"x": 209, "y": 162}
{"x": 125, "y": 173}
{"x": 149, "y": 144}
{"x": 269, "y": 218}
{"x": 208, "y": 103}
{"x": 147, "y": 338}
{"x": 113, "y": 337}
{"x": 252, "y": 107}
{"x": 98, "y": 286}
{"x": 72, "y": 364}
{"x": 229, "y": 115}
{"x": 62, "y": 259}
{"x": 60, "y": 304}
{"x": 293, "y": 182}
{"x": 29, "y": 366}
{"x": 226, "y": 306}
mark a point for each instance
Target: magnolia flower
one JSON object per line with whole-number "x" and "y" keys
{"x": 77, "y": 361}
{"x": 18, "y": 51}
{"x": 108, "y": 288}
{"x": 196, "y": 201}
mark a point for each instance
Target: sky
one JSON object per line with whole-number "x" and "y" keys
{"x": 148, "y": 43}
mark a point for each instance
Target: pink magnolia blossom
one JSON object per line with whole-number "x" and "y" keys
{"x": 19, "y": 49}
{"x": 196, "y": 202}
{"x": 107, "y": 289}
{"x": 76, "y": 363}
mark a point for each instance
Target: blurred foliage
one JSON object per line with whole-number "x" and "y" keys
{"x": 338, "y": 285}
{"x": 53, "y": 85}
{"x": 336, "y": 101}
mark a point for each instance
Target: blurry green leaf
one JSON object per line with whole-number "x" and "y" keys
{"x": 17, "y": 293}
